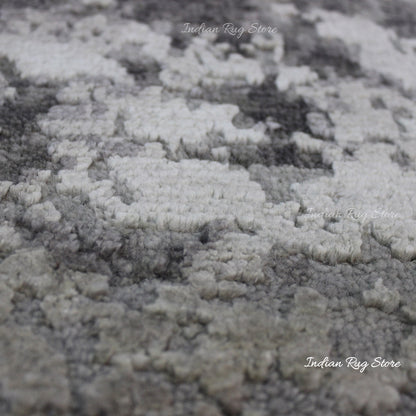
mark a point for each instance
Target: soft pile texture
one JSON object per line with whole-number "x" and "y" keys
{"x": 185, "y": 218}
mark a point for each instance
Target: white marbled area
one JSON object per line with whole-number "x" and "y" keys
{"x": 201, "y": 67}
{"x": 338, "y": 193}
{"x": 376, "y": 48}
{"x": 371, "y": 181}
{"x": 149, "y": 116}
{"x": 39, "y": 54}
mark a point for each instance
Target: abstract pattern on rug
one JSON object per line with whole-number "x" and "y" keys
{"x": 199, "y": 199}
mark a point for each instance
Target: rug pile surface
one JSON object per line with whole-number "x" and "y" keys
{"x": 207, "y": 208}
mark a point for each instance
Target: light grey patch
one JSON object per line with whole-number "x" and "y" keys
{"x": 399, "y": 15}
{"x": 76, "y": 342}
{"x": 10, "y": 211}
{"x": 398, "y": 115}
{"x": 277, "y": 180}
{"x": 135, "y": 296}
{"x": 112, "y": 392}
{"x": 320, "y": 125}
{"x": 242, "y": 121}
{"x": 140, "y": 261}
{"x": 27, "y": 311}
{"x": 276, "y": 396}
{"x": 122, "y": 149}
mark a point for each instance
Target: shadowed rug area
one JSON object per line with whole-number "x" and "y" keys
{"x": 207, "y": 208}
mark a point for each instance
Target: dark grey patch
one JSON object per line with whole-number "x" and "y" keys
{"x": 215, "y": 230}
{"x": 402, "y": 159}
{"x": 212, "y": 12}
{"x": 34, "y": 4}
{"x": 407, "y": 400}
{"x": 378, "y": 139}
{"x": 242, "y": 121}
{"x": 276, "y": 181}
{"x": 300, "y": 39}
{"x": 180, "y": 40}
{"x": 123, "y": 192}
{"x": 378, "y": 104}
{"x": 8, "y": 69}
{"x": 178, "y": 12}
{"x": 143, "y": 73}
{"x": 343, "y": 284}
{"x": 10, "y": 212}
{"x": 20, "y": 153}
{"x": 21, "y": 145}
{"x": 266, "y": 102}
{"x": 280, "y": 152}
{"x": 5, "y": 406}
{"x": 400, "y": 16}
{"x": 331, "y": 54}
{"x": 303, "y": 46}
{"x": 98, "y": 170}
{"x": 151, "y": 253}
{"x": 82, "y": 242}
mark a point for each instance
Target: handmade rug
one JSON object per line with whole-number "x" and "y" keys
{"x": 207, "y": 208}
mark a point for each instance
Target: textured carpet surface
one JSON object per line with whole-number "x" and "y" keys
{"x": 188, "y": 211}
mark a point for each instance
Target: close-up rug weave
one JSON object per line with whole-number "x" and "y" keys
{"x": 207, "y": 208}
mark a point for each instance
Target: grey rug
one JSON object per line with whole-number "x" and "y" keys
{"x": 207, "y": 208}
